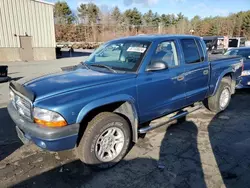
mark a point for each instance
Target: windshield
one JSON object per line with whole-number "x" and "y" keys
{"x": 243, "y": 53}
{"x": 124, "y": 56}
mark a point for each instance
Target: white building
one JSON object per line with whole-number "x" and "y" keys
{"x": 26, "y": 30}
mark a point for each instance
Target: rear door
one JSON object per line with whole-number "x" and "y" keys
{"x": 197, "y": 70}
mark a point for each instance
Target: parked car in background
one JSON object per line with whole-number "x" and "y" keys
{"x": 236, "y": 42}
{"x": 247, "y": 43}
{"x": 245, "y": 53}
{"x": 100, "y": 107}
{"x": 214, "y": 44}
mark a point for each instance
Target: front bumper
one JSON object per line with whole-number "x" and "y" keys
{"x": 52, "y": 139}
{"x": 244, "y": 82}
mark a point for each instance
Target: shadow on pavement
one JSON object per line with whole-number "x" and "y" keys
{"x": 179, "y": 166}
{"x": 230, "y": 140}
{"x": 180, "y": 155}
{"x": 9, "y": 142}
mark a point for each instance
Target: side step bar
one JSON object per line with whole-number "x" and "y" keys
{"x": 144, "y": 130}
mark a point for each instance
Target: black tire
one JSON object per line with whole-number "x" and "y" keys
{"x": 96, "y": 127}
{"x": 213, "y": 102}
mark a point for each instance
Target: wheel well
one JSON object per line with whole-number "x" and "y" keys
{"x": 233, "y": 81}
{"x": 228, "y": 75}
{"x": 91, "y": 114}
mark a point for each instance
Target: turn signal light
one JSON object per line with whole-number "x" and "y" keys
{"x": 50, "y": 123}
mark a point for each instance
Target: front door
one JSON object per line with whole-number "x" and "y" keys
{"x": 162, "y": 91}
{"x": 26, "y": 51}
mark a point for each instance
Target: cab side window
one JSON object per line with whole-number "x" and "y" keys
{"x": 190, "y": 50}
{"x": 166, "y": 53}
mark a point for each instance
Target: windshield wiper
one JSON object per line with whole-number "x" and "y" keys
{"x": 85, "y": 65}
{"x": 104, "y": 66}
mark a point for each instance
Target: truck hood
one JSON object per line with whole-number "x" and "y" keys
{"x": 64, "y": 81}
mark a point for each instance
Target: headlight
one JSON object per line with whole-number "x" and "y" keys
{"x": 12, "y": 96}
{"x": 48, "y": 118}
{"x": 245, "y": 73}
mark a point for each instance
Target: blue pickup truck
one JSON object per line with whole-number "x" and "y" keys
{"x": 102, "y": 105}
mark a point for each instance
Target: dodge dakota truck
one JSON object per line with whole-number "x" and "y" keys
{"x": 101, "y": 106}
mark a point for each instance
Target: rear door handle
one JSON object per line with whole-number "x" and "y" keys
{"x": 180, "y": 78}
{"x": 205, "y": 72}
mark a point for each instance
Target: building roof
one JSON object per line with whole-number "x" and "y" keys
{"x": 45, "y": 2}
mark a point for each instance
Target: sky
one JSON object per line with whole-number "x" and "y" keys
{"x": 189, "y": 8}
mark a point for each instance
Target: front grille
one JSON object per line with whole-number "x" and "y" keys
{"x": 23, "y": 106}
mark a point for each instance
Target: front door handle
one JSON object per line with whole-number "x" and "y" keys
{"x": 180, "y": 78}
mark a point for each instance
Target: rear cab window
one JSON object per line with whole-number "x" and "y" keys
{"x": 192, "y": 51}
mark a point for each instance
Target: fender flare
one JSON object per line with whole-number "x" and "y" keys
{"x": 227, "y": 71}
{"x": 128, "y": 109}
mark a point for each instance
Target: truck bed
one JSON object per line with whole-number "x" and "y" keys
{"x": 221, "y": 65}
{"x": 219, "y": 57}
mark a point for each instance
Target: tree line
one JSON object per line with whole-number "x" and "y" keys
{"x": 237, "y": 24}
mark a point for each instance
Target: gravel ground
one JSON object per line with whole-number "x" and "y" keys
{"x": 205, "y": 150}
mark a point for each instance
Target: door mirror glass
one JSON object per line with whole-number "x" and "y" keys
{"x": 156, "y": 66}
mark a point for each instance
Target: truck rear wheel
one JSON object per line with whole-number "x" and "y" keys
{"x": 220, "y": 101}
{"x": 105, "y": 141}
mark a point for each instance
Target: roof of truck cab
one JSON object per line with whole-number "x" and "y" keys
{"x": 153, "y": 38}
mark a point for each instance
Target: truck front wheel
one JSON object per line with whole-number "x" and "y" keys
{"x": 105, "y": 141}
{"x": 220, "y": 101}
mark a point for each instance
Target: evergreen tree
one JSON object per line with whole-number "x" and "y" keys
{"x": 156, "y": 19}
{"x": 89, "y": 13}
{"x": 62, "y": 13}
{"x": 246, "y": 24}
{"x": 166, "y": 20}
{"x": 133, "y": 17}
{"x": 213, "y": 30}
{"x": 116, "y": 15}
{"x": 148, "y": 17}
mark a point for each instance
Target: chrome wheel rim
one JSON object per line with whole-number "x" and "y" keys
{"x": 109, "y": 144}
{"x": 224, "y": 98}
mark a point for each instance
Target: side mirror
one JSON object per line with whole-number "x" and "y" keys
{"x": 156, "y": 66}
